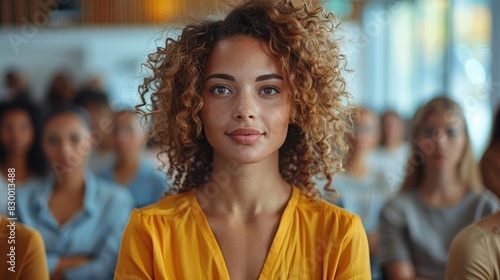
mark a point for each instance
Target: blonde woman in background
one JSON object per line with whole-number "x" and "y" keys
{"x": 440, "y": 196}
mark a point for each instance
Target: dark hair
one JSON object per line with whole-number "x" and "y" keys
{"x": 36, "y": 160}
{"x": 388, "y": 113}
{"x": 67, "y": 109}
{"x": 60, "y": 85}
{"x": 91, "y": 96}
{"x": 301, "y": 37}
{"x": 495, "y": 132}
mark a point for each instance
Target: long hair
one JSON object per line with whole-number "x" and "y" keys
{"x": 468, "y": 170}
{"x": 310, "y": 59}
{"x": 36, "y": 161}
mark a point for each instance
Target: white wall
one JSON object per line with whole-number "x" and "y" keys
{"x": 114, "y": 54}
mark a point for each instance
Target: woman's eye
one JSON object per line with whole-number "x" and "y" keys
{"x": 53, "y": 141}
{"x": 75, "y": 139}
{"x": 269, "y": 91}
{"x": 220, "y": 90}
{"x": 452, "y": 132}
{"x": 428, "y": 132}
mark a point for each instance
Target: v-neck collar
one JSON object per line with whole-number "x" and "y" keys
{"x": 276, "y": 244}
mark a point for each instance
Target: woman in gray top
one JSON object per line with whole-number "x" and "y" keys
{"x": 441, "y": 195}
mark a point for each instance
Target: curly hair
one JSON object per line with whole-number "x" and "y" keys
{"x": 301, "y": 38}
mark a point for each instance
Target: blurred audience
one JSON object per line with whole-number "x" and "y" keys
{"x": 80, "y": 217}
{"x": 362, "y": 189}
{"x": 475, "y": 251}
{"x": 490, "y": 163}
{"x": 440, "y": 196}
{"x": 29, "y": 261}
{"x": 96, "y": 103}
{"x": 131, "y": 168}
{"x": 392, "y": 155}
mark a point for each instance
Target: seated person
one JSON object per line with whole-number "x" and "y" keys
{"x": 391, "y": 156}
{"x": 20, "y": 143}
{"x": 362, "y": 189}
{"x": 440, "y": 196}
{"x": 475, "y": 251}
{"x": 80, "y": 217}
{"x": 131, "y": 169}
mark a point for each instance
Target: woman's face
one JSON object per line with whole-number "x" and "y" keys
{"x": 442, "y": 140}
{"x": 66, "y": 143}
{"x": 16, "y": 132}
{"x": 368, "y": 133}
{"x": 393, "y": 129}
{"x": 246, "y": 109}
{"x": 128, "y": 135}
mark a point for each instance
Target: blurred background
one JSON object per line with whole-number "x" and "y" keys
{"x": 402, "y": 53}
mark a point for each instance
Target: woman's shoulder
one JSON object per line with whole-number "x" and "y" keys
{"x": 314, "y": 209}
{"x": 32, "y": 189}
{"x": 403, "y": 200}
{"x": 475, "y": 239}
{"x": 170, "y": 205}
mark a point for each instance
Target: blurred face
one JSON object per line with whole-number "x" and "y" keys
{"x": 393, "y": 129}
{"x": 246, "y": 109}
{"x": 16, "y": 132}
{"x": 443, "y": 139}
{"x": 66, "y": 143}
{"x": 128, "y": 135}
{"x": 367, "y": 134}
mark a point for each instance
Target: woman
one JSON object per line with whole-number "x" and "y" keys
{"x": 490, "y": 163}
{"x": 248, "y": 109}
{"x": 131, "y": 169}
{"x": 393, "y": 152}
{"x": 96, "y": 103}
{"x": 440, "y": 196}
{"x": 20, "y": 141}
{"x": 363, "y": 190}
{"x": 19, "y": 146}
{"x": 475, "y": 251}
{"x": 80, "y": 217}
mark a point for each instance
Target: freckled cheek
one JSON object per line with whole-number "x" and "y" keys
{"x": 212, "y": 111}
{"x": 279, "y": 118}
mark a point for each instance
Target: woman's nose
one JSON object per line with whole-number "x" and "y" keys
{"x": 245, "y": 107}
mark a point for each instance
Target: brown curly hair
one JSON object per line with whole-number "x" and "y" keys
{"x": 301, "y": 37}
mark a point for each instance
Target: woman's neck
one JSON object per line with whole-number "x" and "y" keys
{"x": 393, "y": 145}
{"x": 244, "y": 190}
{"x": 72, "y": 182}
{"x": 442, "y": 187}
{"x": 355, "y": 164}
{"x": 127, "y": 163}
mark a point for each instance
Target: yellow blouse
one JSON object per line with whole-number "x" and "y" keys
{"x": 27, "y": 260}
{"x": 173, "y": 240}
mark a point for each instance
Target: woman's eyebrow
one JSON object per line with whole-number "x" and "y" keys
{"x": 231, "y": 78}
{"x": 221, "y": 76}
{"x": 268, "y": 77}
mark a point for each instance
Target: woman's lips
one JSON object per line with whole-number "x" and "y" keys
{"x": 245, "y": 135}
